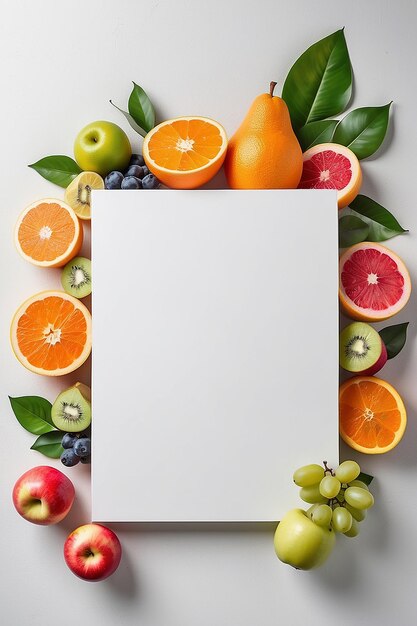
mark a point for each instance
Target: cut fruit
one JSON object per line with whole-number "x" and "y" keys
{"x": 71, "y": 411}
{"x": 372, "y": 415}
{"x": 78, "y": 193}
{"x": 361, "y": 349}
{"x": 186, "y": 152}
{"x": 331, "y": 166}
{"x": 76, "y": 277}
{"x": 51, "y": 333}
{"x": 48, "y": 233}
{"x": 374, "y": 283}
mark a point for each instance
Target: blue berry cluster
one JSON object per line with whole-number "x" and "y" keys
{"x": 137, "y": 176}
{"x": 77, "y": 447}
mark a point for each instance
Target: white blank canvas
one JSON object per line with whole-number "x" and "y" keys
{"x": 215, "y": 351}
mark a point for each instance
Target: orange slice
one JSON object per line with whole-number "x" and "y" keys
{"x": 51, "y": 333}
{"x": 331, "y": 166}
{"x": 48, "y": 233}
{"x": 372, "y": 415}
{"x": 186, "y": 152}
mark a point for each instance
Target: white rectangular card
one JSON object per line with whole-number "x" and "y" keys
{"x": 215, "y": 351}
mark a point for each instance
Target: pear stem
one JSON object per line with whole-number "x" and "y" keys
{"x": 272, "y": 86}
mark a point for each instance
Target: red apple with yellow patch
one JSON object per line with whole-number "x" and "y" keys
{"x": 92, "y": 552}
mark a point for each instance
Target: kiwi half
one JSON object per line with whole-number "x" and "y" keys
{"x": 361, "y": 349}
{"x": 76, "y": 277}
{"x": 71, "y": 411}
{"x": 78, "y": 193}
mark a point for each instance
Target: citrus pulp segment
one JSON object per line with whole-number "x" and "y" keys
{"x": 372, "y": 415}
{"x": 51, "y": 333}
{"x": 186, "y": 152}
{"x": 48, "y": 233}
{"x": 331, "y": 166}
{"x": 374, "y": 283}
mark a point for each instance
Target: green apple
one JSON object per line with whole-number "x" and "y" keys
{"x": 102, "y": 147}
{"x": 300, "y": 542}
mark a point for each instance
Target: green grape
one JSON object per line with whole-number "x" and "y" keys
{"x": 358, "y": 483}
{"x": 357, "y": 514}
{"x": 347, "y": 471}
{"x": 312, "y": 495}
{"x": 308, "y": 475}
{"x": 311, "y": 510}
{"x": 341, "y": 519}
{"x": 359, "y": 498}
{"x": 353, "y": 530}
{"x": 341, "y": 496}
{"x": 330, "y": 487}
{"x": 322, "y": 515}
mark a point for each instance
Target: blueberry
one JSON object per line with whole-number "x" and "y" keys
{"x": 82, "y": 447}
{"x": 135, "y": 170}
{"x": 113, "y": 180}
{"x": 86, "y": 459}
{"x": 68, "y": 440}
{"x": 145, "y": 170}
{"x": 136, "y": 159}
{"x": 69, "y": 458}
{"x": 131, "y": 182}
{"x": 150, "y": 182}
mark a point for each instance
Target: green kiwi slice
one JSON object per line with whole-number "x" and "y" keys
{"x": 361, "y": 348}
{"x": 71, "y": 411}
{"x": 76, "y": 277}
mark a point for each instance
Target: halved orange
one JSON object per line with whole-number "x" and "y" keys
{"x": 372, "y": 415}
{"x": 51, "y": 333}
{"x": 186, "y": 152}
{"x": 48, "y": 233}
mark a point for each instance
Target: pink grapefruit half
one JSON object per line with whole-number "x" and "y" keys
{"x": 374, "y": 283}
{"x": 331, "y": 166}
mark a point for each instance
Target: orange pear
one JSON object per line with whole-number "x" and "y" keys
{"x": 264, "y": 152}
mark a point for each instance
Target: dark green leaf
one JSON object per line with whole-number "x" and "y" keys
{"x": 394, "y": 338}
{"x": 365, "y": 478}
{"x": 319, "y": 84}
{"x": 382, "y": 224}
{"x": 352, "y": 230}
{"x": 141, "y": 109}
{"x": 363, "y": 130}
{"x": 316, "y": 132}
{"x": 130, "y": 119}
{"x": 58, "y": 169}
{"x": 33, "y": 413}
{"x": 49, "y": 444}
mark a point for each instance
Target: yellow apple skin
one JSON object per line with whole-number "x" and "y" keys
{"x": 102, "y": 147}
{"x": 301, "y": 543}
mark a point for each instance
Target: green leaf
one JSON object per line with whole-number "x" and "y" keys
{"x": 382, "y": 224}
{"x": 316, "y": 132}
{"x": 141, "y": 109}
{"x": 49, "y": 444}
{"x": 352, "y": 230}
{"x": 58, "y": 169}
{"x": 363, "y": 130}
{"x": 130, "y": 119}
{"x": 394, "y": 338}
{"x": 33, "y": 413}
{"x": 365, "y": 478}
{"x": 319, "y": 84}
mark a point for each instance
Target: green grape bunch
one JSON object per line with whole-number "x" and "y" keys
{"x": 339, "y": 498}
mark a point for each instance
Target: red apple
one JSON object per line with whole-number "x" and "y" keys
{"x": 43, "y": 495}
{"x": 92, "y": 552}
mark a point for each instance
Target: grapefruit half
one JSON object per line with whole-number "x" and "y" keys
{"x": 331, "y": 166}
{"x": 374, "y": 283}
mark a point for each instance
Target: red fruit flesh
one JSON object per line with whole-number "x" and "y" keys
{"x": 326, "y": 170}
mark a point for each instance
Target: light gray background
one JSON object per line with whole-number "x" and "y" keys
{"x": 215, "y": 348}
{"x": 61, "y": 62}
